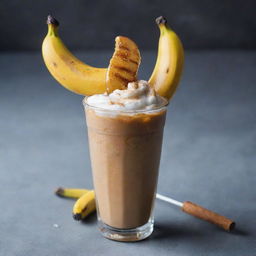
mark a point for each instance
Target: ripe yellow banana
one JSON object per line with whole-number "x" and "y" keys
{"x": 84, "y": 206}
{"x": 69, "y": 71}
{"x": 169, "y": 64}
{"x": 71, "y": 192}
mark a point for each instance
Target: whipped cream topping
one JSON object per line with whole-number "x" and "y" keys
{"x": 138, "y": 96}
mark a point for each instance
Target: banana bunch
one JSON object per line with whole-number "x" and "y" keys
{"x": 85, "y": 203}
{"x": 84, "y": 79}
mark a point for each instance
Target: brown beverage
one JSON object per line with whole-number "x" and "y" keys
{"x": 125, "y": 150}
{"x": 125, "y": 154}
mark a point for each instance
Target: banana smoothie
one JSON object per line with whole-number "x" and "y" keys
{"x": 125, "y": 130}
{"x": 125, "y": 119}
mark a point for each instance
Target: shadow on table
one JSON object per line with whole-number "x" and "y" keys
{"x": 239, "y": 232}
{"x": 175, "y": 231}
{"x": 90, "y": 220}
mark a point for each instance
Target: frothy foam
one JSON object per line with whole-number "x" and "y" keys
{"x": 138, "y": 96}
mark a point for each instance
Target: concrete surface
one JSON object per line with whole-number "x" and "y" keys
{"x": 208, "y": 157}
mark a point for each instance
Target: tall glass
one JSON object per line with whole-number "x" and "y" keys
{"x": 125, "y": 149}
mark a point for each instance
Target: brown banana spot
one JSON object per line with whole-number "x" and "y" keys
{"x": 55, "y": 64}
{"x": 167, "y": 70}
{"x": 134, "y": 62}
{"x": 124, "y": 48}
{"x": 125, "y": 58}
{"x": 70, "y": 64}
{"x": 125, "y": 69}
{"x": 122, "y": 55}
{"x": 123, "y": 79}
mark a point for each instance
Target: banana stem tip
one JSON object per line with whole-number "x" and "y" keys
{"x": 77, "y": 216}
{"x": 59, "y": 192}
{"x": 51, "y": 20}
{"x": 161, "y": 20}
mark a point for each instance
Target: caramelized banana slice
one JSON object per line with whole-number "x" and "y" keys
{"x": 124, "y": 64}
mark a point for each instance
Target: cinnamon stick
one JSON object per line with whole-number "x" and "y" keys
{"x": 210, "y": 216}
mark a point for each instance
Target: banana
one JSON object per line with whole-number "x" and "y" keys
{"x": 81, "y": 78}
{"x": 169, "y": 63}
{"x": 69, "y": 71}
{"x": 70, "y": 192}
{"x": 84, "y": 206}
{"x": 85, "y": 203}
{"x": 124, "y": 64}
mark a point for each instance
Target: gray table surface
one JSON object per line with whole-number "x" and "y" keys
{"x": 208, "y": 157}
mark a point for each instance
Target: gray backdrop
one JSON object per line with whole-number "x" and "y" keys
{"x": 87, "y": 24}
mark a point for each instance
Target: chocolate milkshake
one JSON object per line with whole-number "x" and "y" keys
{"x": 125, "y": 130}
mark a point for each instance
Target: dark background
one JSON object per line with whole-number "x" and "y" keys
{"x": 87, "y": 24}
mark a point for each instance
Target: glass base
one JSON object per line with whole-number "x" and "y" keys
{"x": 126, "y": 235}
